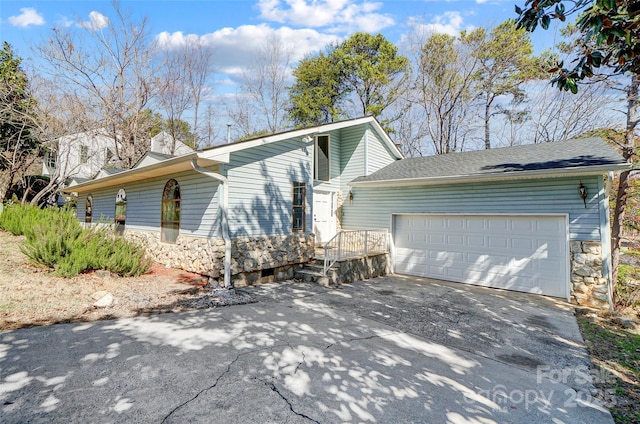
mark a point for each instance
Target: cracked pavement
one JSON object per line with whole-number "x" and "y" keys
{"x": 392, "y": 349}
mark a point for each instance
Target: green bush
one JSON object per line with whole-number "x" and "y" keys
{"x": 55, "y": 239}
{"x": 52, "y": 238}
{"x": 15, "y": 218}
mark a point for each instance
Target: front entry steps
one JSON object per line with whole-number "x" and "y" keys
{"x": 344, "y": 271}
{"x": 312, "y": 272}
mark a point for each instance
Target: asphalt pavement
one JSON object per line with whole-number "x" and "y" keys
{"x": 387, "y": 350}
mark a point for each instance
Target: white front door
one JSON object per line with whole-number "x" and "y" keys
{"x": 324, "y": 215}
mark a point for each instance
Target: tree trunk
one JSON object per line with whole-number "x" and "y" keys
{"x": 623, "y": 186}
{"x": 487, "y": 116}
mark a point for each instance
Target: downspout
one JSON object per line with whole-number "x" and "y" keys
{"x": 223, "y": 203}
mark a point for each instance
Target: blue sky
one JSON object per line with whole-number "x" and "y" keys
{"x": 237, "y": 30}
{"x": 238, "y": 27}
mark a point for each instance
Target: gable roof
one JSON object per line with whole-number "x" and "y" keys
{"x": 221, "y": 154}
{"x": 576, "y": 157}
{"x": 303, "y": 132}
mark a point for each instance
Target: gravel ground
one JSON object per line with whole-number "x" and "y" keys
{"x": 31, "y": 296}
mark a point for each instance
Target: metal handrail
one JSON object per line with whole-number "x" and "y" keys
{"x": 349, "y": 244}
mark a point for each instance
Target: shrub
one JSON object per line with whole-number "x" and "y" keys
{"x": 55, "y": 239}
{"x": 16, "y": 217}
{"x": 50, "y": 240}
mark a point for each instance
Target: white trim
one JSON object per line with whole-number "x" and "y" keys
{"x": 366, "y": 152}
{"x": 513, "y": 175}
{"x": 242, "y": 145}
{"x": 567, "y": 288}
{"x": 315, "y": 157}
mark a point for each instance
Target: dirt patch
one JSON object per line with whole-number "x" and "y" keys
{"x": 31, "y": 296}
{"x": 615, "y": 357}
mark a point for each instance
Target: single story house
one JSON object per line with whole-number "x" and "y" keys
{"x": 529, "y": 218}
{"x": 264, "y": 202}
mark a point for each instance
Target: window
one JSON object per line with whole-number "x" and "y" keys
{"x": 84, "y": 154}
{"x": 121, "y": 211}
{"x": 108, "y": 155}
{"x": 88, "y": 210}
{"x": 322, "y": 162}
{"x": 298, "y": 206}
{"x": 51, "y": 159}
{"x": 170, "y": 216}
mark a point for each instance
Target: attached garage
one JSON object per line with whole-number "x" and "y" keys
{"x": 514, "y": 252}
{"x": 531, "y": 218}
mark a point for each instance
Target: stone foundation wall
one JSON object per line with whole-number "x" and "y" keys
{"x": 350, "y": 270}
{"x": 250, "y": 256}
{"x": 589, "y": 287}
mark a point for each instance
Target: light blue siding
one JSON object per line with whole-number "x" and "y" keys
{"x": 378, "y": 152}
{"x": 352, "y": 155}
{"x": 261, "y": 182}
{"x": 199, "y": 204}
{"x": 334, "y": 162}
{"x": 372, "y": 207}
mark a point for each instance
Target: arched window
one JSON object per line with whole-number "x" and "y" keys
{"x": 88, "y": 209}
{"x": 170, "y": 217}
{"x": 121, "y": 211}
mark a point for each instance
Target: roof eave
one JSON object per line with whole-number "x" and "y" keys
{"x": 513, "y": 175}
{"x": 158, "y": 169}
{"x": 301, "y": 133}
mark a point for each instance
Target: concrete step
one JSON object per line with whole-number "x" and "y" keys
{"x": 313, "y": 274}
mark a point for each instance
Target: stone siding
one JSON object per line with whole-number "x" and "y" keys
{"x": 250, "y": 256}
{"x": 589, "y": 287}
{"x": 350, "y": 270}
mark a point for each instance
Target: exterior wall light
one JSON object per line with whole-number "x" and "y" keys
{"x": 350, "y": 197}
{"x": 582, "y": 190}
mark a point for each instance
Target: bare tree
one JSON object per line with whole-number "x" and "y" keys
{"x": 108, "y": 65}
{"x": 442, "y": 90}
{"x": 264, "y": 90}
{"x": 184, "y": 77}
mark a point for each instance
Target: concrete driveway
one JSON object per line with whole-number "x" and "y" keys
{"x": 394, "y": 349}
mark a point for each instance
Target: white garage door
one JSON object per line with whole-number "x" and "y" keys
{"x": 522, "y": 253}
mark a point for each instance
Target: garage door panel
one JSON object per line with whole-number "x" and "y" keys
{"x": 498, "y": 242}
{"x": 524, "y": 253}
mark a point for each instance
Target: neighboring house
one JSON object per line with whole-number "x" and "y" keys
{"x": 531, "y": 218}
{"x": 285, "y": 191}
{"x": 83, "y": 156}
{"x": 164, "y": 144}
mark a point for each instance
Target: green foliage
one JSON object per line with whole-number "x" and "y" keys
{"x": 627, "y": 291}
{"x": 16, "y": 218}
{"x": 316, "y": 97}
{"x": 52, "y": 238}
{"x": 366, "y": 66}
{"x": 610, "y": 35}
{"x": 373, "y": 69}
{"x": 17, "y": 116}
{"x": 55, "y": 239}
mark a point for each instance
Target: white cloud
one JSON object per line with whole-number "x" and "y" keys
{"x": 28, "y": 16}
{"x": 337, "y": 15}
{"x": 96, "y": 21}
{"x": 449, "y": 23}
{"x": 234, "y": 48}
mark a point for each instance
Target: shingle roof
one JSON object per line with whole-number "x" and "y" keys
{"x": 536, "y": 158}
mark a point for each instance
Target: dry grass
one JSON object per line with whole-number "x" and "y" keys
{"x": 31, "y": 296}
